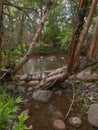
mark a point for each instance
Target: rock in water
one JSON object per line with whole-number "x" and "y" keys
{"x": 59, "y": 125}
{"x": 93, "y": 115}
{"x": 75, "y": 121}
{"x": 42, "y": 96}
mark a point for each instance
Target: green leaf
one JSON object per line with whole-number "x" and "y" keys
{"x": 19, "y": 100}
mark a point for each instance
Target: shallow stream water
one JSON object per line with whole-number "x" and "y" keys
{"x": 44, "y": 63}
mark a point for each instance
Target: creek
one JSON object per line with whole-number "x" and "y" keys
{"x": 43, "y": 63}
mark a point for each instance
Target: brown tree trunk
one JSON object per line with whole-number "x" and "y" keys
{"x": 96, "y": 49}
{"x": 94, "y": 43}
{"x": 35, "y": 39}
{"x": 79, "y": 21}
{"x": 1, "y": 13}
{"x": 84, "y": 33}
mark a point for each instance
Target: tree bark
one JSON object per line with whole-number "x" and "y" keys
{"x": 79, "y": 21}
{"x": 55, "y": 78}
{"x": 1, "y": 13}
{"x": 96, "y": 49}
{"x": 94, "y": 43}
{"x": 84, "y": 33}
{"x": 35, "y": 39}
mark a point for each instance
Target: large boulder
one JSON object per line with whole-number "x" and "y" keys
{"x": 42, "y": 96}
{"x": 93, "y": 115}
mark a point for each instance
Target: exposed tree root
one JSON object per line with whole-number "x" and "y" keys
{"x": 54, "y": 78}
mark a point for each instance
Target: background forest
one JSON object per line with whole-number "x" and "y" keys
{"x": 21, "y": 20}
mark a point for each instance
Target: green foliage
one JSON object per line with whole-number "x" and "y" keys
{"x": 48, "y": 50}
{"x": 8, "y": 113}
{"x": 83, "y": 105}
{"x": 80, "y": 85}
{"x": 19, "y": 50}
{"x": 65, "y": 36}
{"x": 20, "y": 125}
{"x": 84, "y": 101}
{"x": 13, "y": 54}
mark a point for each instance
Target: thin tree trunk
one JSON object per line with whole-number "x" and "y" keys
{"x": 96, "y": 49}
{"x": 20, "y": 32}
{"x": 1, "y": 13}
{"x": 84, "y": 33}
{"x": 94, "y": 43}
{"x": 79, "y": 21}
{"x": 35, "y": 39}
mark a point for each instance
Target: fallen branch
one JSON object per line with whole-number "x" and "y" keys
{"x": 5, "y": 75}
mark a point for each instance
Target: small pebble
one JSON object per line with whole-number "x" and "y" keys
{"x": 75, "y": 121}
{"x": 25, "y": 112}
{"x": 59, "y": 125}
{"x": 31, "y": 127}
{"x": 37, "y": 107}
{"x": 58, "y": 114}
{"x": 25, "y": 101}
{"x": 30, "y": 88}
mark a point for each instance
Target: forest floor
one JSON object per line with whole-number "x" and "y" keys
{"x": 79, "y": 90}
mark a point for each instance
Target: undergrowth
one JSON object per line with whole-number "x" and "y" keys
{"x": 9, "y": 117}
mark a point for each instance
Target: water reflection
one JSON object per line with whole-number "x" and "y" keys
{"x": 43, "y": 63}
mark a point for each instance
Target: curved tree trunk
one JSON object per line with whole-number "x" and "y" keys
{"x": 1, "y": 13}
{"x": 84, "y": 33}
{"x": 35, "y": 39}
{"x": 94, "y": 43}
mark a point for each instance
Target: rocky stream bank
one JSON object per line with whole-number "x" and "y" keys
{"x": 71, "y": 106}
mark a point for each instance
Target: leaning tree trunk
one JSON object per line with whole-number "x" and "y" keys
{"x": 79, "y": 22}
{"x": 35, "y": 39}
{"x": 94, "y": 43}
{"x": 1, "y": 13}
{"x": 84, "y": 33}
